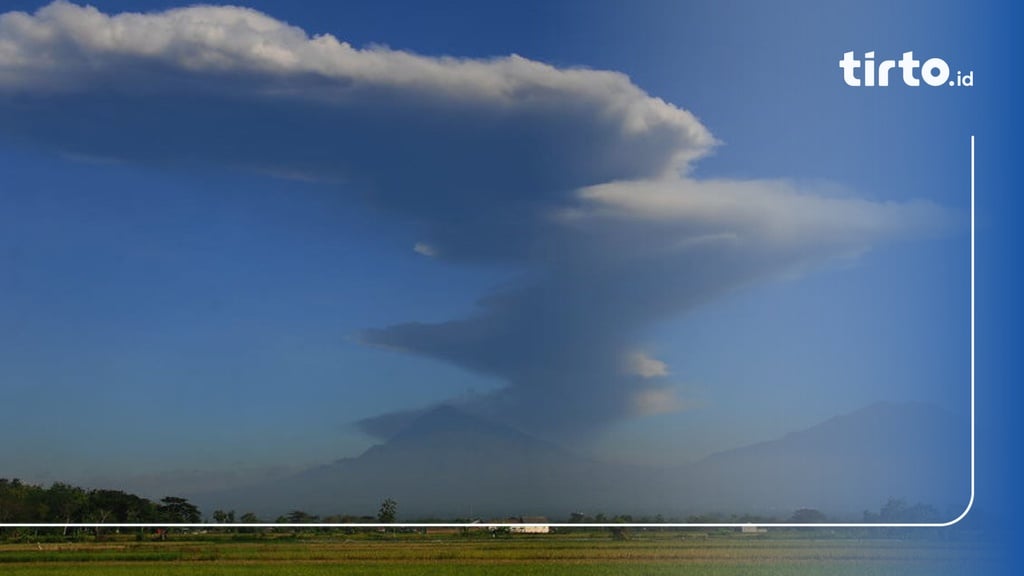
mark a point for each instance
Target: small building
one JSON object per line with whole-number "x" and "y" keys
{"x": 752, "y": 529}
{"x": 528, "y": 525}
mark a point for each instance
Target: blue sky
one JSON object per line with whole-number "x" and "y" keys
{"x": 212, "y": 265}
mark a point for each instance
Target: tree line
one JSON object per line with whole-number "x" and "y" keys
{"x": 61, "y": 503}
{"x": 22, "y": 503}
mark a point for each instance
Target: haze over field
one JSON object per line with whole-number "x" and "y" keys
{"x": 236, "y": 239}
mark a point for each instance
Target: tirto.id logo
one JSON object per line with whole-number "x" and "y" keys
{"x": 933, "y": 71}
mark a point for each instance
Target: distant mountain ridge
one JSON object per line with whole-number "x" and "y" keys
{"x": 847, "y": 464}
{"x": 450, "y": 464}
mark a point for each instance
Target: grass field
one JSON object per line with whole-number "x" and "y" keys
{"x": 653, "y": 554}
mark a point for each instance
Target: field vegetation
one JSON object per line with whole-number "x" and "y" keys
{"x": 459, "y": 552}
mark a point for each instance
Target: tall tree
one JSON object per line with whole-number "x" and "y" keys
{"x": 65, "y": 503}
{"x": 222, "y": 517}
{"x": 177, "y": 510}
{"x": 388, "y": 511}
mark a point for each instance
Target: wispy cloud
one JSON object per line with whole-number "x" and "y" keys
{"x": 642, "y": 365}
{"x": 424, "y": 249}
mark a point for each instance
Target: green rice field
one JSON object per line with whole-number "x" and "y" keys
{"x": 595, "y": 554}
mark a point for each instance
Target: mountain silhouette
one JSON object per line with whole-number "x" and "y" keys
{"x": 450, "y": 464}
{"x": 845, "y": 465}
{"x": 445, "y": 464}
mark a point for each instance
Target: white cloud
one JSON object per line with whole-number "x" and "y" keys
{"x": 640, "y": 364}
{"x": 652, "y": 401}
{"x": 424, "y": 249}
{"x": 471, "y": 150}
{"x": 753, "y": 211}
{"x": 66, "y": 47}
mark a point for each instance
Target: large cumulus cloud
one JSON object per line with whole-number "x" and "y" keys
{"x": 469, "y": 150}
{"x": 576, "y": 175}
